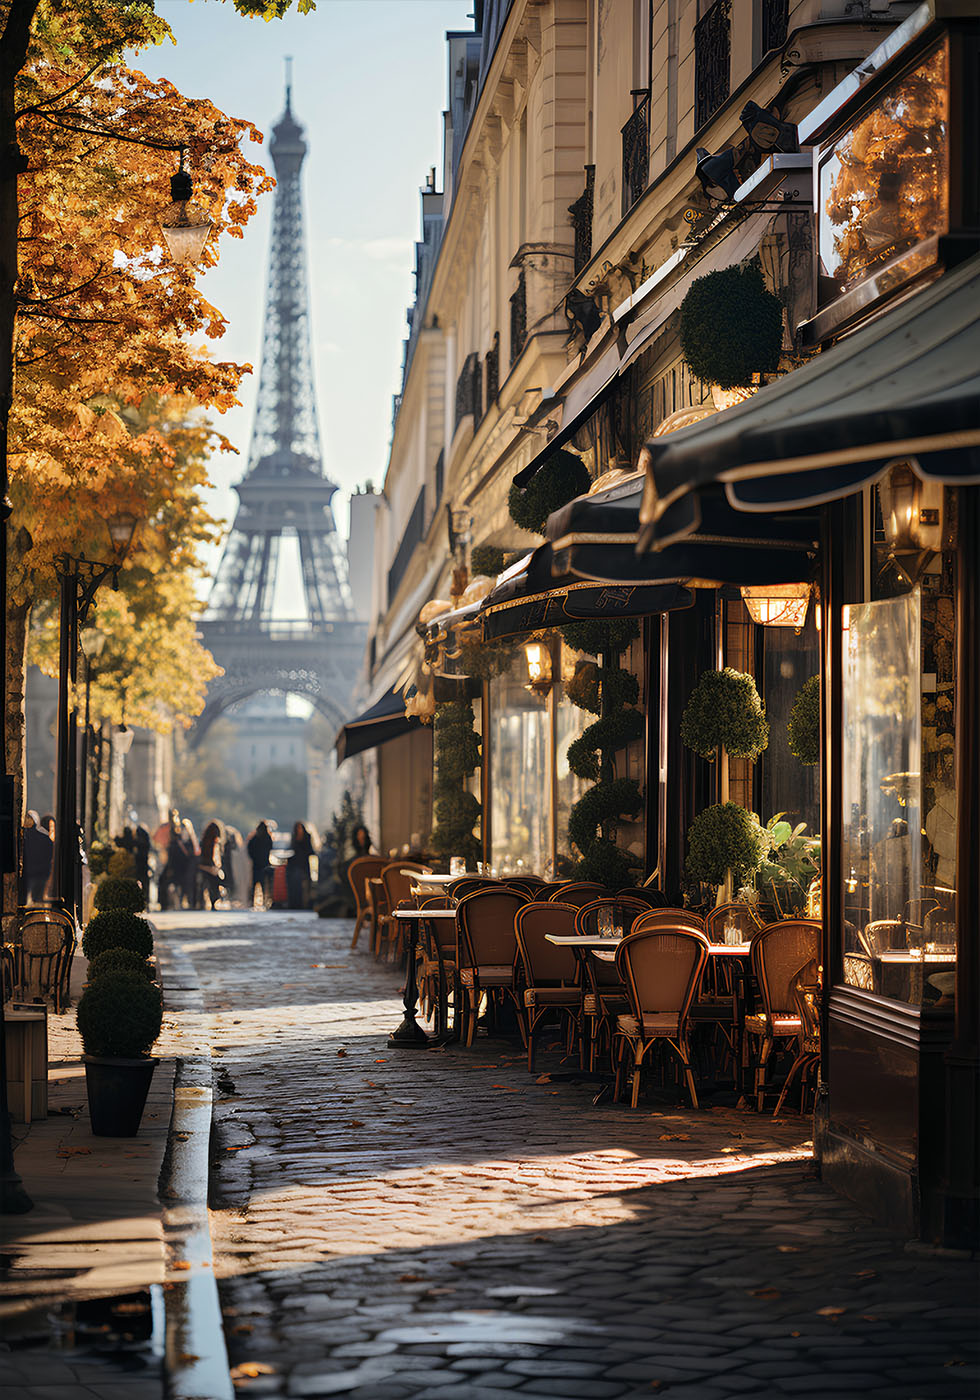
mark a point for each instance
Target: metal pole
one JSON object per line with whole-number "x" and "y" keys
{"x": 83, "y": 794}
{"x": 66, "y": 833}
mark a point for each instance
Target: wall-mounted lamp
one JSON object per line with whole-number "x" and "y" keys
{"x": 777, "y": 604}
{"x": 767, "y": 131}
{"x": 538, "y": 668}
{"x": 912, "y": 518}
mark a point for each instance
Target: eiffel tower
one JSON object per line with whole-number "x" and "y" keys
{"x": 317, "y": 650}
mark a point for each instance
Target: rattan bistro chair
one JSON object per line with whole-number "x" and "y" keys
{"x": 577, "y": 892}
{"x": 605, "y": 995}
{"x": 44, "y": 951}
{"x": 669, "y": 918}
{"x": 358, "y": 873}
{"x": 806, "y": 993}
{"x": 486, "y": 950}
{"x": 551, "y": 973}
{"x": 661, "y": 968}
{"x": 397, "y": 880}
{"x": 778, "y": 953}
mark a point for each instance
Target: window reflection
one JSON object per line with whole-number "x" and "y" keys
{"x": 520, "y": 764}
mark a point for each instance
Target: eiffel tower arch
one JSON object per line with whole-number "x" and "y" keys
{"x": 308, "y": 642}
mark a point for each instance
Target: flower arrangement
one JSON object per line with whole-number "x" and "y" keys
{"x": 804, "y": 723}
{"x": 725, "y": 711}
{"x": 562, "y": 477}
{"x": 731, "y": 326}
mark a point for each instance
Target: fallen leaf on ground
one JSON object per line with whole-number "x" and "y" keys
{"x": 252, "y": 1368}
{"x": 830, "y": 1312}
{"x": 411, "y": 1278}
{"x": 354, "y": 1123}
{"x": 240, "y": 1148}
{"x": 543, "y": 1079}
{"x": 75, "y": 1152}
{"x": 180, "y": 1264}
{"x": 675, "y": 1137}
{"x": 765, "y": 1293}
{"x": 341, "y": 1052}
{"x": 187, "y": 1358}
{"x": 381, "y": 1062}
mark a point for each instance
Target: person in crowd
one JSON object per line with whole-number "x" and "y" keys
{"x": 168, "y": 842}
{"x": 361, "y": 842}
{"x": 231, "y": 854}
{"x": 141, "y": 857}
{"x": 192, "y": 880}
{"x": 37, "y": 859}
{"x": 259, "y": 848}
{"x": 298, "y": 867}
{"x": 48, "y": 825}
{"x": 209, "y": 865}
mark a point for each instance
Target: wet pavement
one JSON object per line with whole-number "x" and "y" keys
{"x": 440, "y": 1223}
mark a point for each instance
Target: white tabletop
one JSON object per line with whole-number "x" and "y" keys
{"x": 425, "y": 913}
{"x": 422, "y": 878}
{"x": 718, "y": 950}
{"x": 918, "y": 955}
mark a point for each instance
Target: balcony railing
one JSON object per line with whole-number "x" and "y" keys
{"x": 469, "y": 398}
{"x": 491, "y": 365}
{"x": 412, "y": 537}
{"x": 775, "y": 24}
{"x": 518, "y": 318}
{"x": 712, "y": 61}
{"x": 636, "y": 152}
{"x": 581, "y": 212}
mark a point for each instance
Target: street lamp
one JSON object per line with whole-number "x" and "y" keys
{"x": 185, "y": 226}
{"x": 92, "y": 641}
{"x": 80, "y": 580}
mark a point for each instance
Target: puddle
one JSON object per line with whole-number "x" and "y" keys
{"x": 121, "y": 1335}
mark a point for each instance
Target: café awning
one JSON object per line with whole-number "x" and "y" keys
{"x": 907, "y": 386}
{"x": 384, "y": 720}
{"x": 594, "y": 537}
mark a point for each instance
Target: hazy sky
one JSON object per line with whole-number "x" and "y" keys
{"x": 369, "y": 85}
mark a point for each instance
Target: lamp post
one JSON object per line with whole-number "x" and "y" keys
{"x": 93, "y": 641}
{"x": 80, "y": 579}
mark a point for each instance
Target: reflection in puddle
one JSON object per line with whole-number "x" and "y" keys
{"x": 123, "y": 1333}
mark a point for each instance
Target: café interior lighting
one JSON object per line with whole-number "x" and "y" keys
{"x": 777, "y": 604}
{"x": 538, "y": 668}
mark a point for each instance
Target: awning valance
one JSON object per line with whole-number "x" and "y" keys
{"x": 594, "y": 537}
{"x": 384, "y": 720}
{"x": 906, "y": 386}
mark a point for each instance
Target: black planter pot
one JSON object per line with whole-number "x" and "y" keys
{"x": 117, "y": 1091}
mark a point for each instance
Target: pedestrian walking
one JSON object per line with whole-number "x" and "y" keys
{"x": 48, "y": 825}
{"x": 259, "y": 850}
{"x": 210, "y": 872}
{"x": 298, "y": 867}
{"x": 141, "y": 858}
{"x": 38, "y": 855}
{"x": 232, "y": 855}
{"x": 168, "y": 839}
{"x": 192, "y": 879}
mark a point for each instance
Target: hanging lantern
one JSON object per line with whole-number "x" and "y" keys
{"x": 538, "y": 668}
{"x": 777, "y": 604}
{"x": 911, "y": 517}
{"x": 185, "y": 226}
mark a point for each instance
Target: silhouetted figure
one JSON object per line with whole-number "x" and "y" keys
{"x": 298, "y": 867}
{"x": 209, "y": 863}
{"x": 37, "y": 858}
{"x": 259, "y": 849}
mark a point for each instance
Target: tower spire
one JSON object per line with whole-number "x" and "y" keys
{"x": 289, "y": 84}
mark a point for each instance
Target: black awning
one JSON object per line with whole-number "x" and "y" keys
{"x": 386, "y": 719}
{"x": 585, "y": 399}
{"x": 906, "y": 386}
{"x": 534, "y": 598}
{"x": 594, "y": 538}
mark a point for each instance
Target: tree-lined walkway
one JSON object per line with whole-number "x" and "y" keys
{"x": 396, "y": 1223}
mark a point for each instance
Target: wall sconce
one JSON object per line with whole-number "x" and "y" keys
{"x": 777, "y": 604}
{"x": 538, "y": 668}
{"x": 912, "y": 518}
{"x": 767, "y": 131}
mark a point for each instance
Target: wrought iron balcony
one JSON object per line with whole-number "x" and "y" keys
{"x": 636, "y": 152}
{"x": 411, "y": 538}
{"x": 712, "y": 61}
{"x": 492, "y": 370}
{"x": 581, "y": 212}
{"x": 518, "y": 318}
{"x": 469, "y": 398}
{"x": 775, "y": 24}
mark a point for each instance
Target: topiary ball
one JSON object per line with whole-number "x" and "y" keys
{"x": 117, "y": 928}
{"x": 725, "y": 711}
{"x": 487, "y": 559}
{"x": 562, "y": 477}
{"x": 120, "y": 1015}
{"x": 722, "y": 838}
{"x": 731, "y": 327}
{"x": 594, "y": 635}
{"x": 804, "y": 723}
{"x": 117, "y": 892}
{"x": 118, "y": 960}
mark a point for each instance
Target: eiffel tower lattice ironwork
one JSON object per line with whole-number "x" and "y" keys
{"x": 316, "y": 650}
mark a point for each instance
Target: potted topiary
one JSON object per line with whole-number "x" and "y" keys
{"x": 117, "y": 928}
{"x": 726, "y": 846}
{"x": 119, "y": 960}
{"x": 119, "y": 1017}
{"x": 119, "y": 892}
{"x": 804, "y": 723}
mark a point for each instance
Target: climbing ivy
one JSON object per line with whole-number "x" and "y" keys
{"x": 457, "y": 756}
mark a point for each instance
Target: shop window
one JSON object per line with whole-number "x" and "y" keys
{"x": 899, "y": 838}
{"x": 520, "y": 764}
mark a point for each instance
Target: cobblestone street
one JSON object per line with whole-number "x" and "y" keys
{"x": 440, "y": 1223}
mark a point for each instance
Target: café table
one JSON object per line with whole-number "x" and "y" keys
{"x": 904, "y": 970}
{"x": 410, "y": 1034}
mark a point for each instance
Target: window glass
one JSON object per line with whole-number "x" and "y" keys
{"x": 520, "y": 765}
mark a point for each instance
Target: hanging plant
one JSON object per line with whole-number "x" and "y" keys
{"x": 562, "y": 477}
{"x": 487, "y": 559}
{"x": 725, "y": 838}
{"x": 804, "y": 723}
{"x": 731, "y": 327}
{"x": 611, "y": 692}
{"x": 484, "y": 660}
{"x": 457, "y": 756}
{"x": 725, "y": 711}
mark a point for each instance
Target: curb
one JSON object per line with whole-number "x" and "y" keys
{"x": 195, "y": 1357}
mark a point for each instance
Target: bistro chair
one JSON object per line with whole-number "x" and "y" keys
{"x": 360, "y": 870}
{"x": 669, "y": 918}
{"x": 551, "y": 973}
{"x": 778, "y": 953}
{"x": 396, "y": 877}
{"x": 486, "y": 949}
{"x": 43, "y": 955}
{"x": 578, "y": 892}
{"x": 806, "y": 993}
{"x": 650, "y": 896}
{"x": 469, "y": 884}
{"x": 436, "y": 954}
{"x": 605, "y": 994}
{"x": 736, "y": 916}
{"x": 529, "y": 888}
{"x": 661, "y": 969}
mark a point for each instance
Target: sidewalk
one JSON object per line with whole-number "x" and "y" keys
{"x": 95, "y": 1235}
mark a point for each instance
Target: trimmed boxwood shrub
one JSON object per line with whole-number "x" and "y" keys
{"x": 722, "y": 838}
{"x": 804, "y": 723}
{"x": 731, "y": 326}
{"x": 118, "y": 960}
{"x": 120, "y": 1015}
{"x": 562, "y": 477}
{"x": 117, "y": 892}
{"x": 117, "y": 928}
{"x": 725, "y": 711}
{"x": 487, "y": 559}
